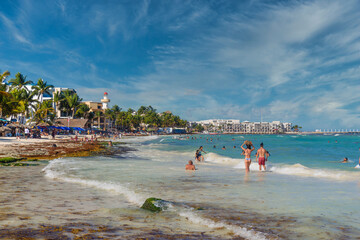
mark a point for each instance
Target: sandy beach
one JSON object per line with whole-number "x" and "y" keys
{"x": 36, "y": 207}
{"x": 44, "y": 148}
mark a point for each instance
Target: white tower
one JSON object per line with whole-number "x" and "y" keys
{"x": 105, "y": 101}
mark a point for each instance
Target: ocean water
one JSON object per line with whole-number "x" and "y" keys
{"x": 306, "y": 193}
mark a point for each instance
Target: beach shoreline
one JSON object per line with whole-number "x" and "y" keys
{"x": 37, "y": 207}
{"x": 47, "y": 149}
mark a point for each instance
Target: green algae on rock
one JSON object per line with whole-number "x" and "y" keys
{"x": 10, "y": 159}
{"x": 154, "y": 205}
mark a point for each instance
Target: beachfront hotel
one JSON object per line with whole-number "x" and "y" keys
{"x": 64, "y": 117}
{"x": 235, "y": 126}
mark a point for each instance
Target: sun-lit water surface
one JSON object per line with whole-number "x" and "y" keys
{"x": 306, "y": 192}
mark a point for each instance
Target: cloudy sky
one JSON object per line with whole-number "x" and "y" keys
{"x": 296, "y": 61}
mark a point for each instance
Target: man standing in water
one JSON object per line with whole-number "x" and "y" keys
{"x": 249, "y": 148}
{"x": 262, "y": 156}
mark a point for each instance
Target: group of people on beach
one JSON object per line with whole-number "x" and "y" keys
{"x": 261, "y": 156}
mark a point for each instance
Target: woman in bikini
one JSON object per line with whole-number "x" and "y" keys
{"x": 249, "y": 148}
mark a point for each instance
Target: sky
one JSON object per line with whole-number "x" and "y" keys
{"x": 293, "y": 61}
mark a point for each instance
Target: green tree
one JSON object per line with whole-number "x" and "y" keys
{"x": 98, "y": 115}
{"x": 41, "y": 88}
{"x": 44, "y": 112}
{"x": 82, "y": 111}
{"x": 22, "y": 101}
{"x": 72, "y": 101}
{"x": 57, "y": 99}
{"x": 19, "y": 81}
{"x": 4, "y": 94}
{"x": 296, "y": 128}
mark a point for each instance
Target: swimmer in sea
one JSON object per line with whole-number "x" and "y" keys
{"x": 249, "y": 148}
{"x": 190, "y": 166}
{"x": 197, "y": 155}
{"x": 345, "y": 160}
{"x": 262, "y": 156}
{"x": 200, "y": 156}
{"x": 223, "y": 148}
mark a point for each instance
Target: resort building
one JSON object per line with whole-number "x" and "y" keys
{"x": 98, "y": 108}
{"x": 246, "y": 127}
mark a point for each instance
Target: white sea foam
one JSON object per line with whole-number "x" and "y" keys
{"x": 240, "y": 231}
{"x": 53, "y": 171}
{"x": 216, "y": 158}
{"x": 139, "y": 139}
{"x": 300, "y": 170}
{"x": 254, "y": 166}
{"x": 158, "y": 155}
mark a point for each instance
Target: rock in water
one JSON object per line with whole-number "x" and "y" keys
{"x": 154, "y": 205}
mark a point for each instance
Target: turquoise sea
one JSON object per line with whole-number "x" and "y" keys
{"x": 306, "y": 192}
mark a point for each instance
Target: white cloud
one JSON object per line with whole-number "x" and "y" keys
{"x": 14, "y": 31}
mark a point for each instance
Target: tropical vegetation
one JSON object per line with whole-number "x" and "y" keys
{"x": 22, "y": 99}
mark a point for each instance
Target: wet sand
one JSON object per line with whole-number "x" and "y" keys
{"x": 34, "y": 207}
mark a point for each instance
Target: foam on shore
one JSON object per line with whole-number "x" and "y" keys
{"x": 138, "y": 139}
{"x": 237, "y": 230}
{"x": 53, "y": 171}
{"x": 57, "y": 169}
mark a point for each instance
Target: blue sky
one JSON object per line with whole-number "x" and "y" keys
{"x": 297, "y": 61}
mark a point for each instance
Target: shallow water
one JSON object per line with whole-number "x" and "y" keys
{"x": 304, "y": 195}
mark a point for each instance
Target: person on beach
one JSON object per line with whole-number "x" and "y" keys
{"x": 262, "y": 156}
{"x": 190, "y": 166}
{"x": 249, "y": 148}
{"x": 53, "y": 133}
{"x": 17, "y": 133}
{"x": 27, "y": 133}
{"x": 200, "y": 157}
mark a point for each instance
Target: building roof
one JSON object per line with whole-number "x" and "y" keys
{"x": 81, "y": 123}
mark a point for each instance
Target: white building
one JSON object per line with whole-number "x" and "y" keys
{"x": 235, "y": 126}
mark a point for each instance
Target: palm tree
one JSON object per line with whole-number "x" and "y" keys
{"x": 3, "y": 76}
{"x": 41, "y": 87}
{"x": 57, "y": 99}
{"x": 98, "y": 114}
{"x": 73, "y": 102}
{"x": 82, "y": 111}
{"x": 22, "y": 101}
{"x": 3, "y": 93}
{"x": 19, "y": 81}
{"x": 44, "y": 112}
